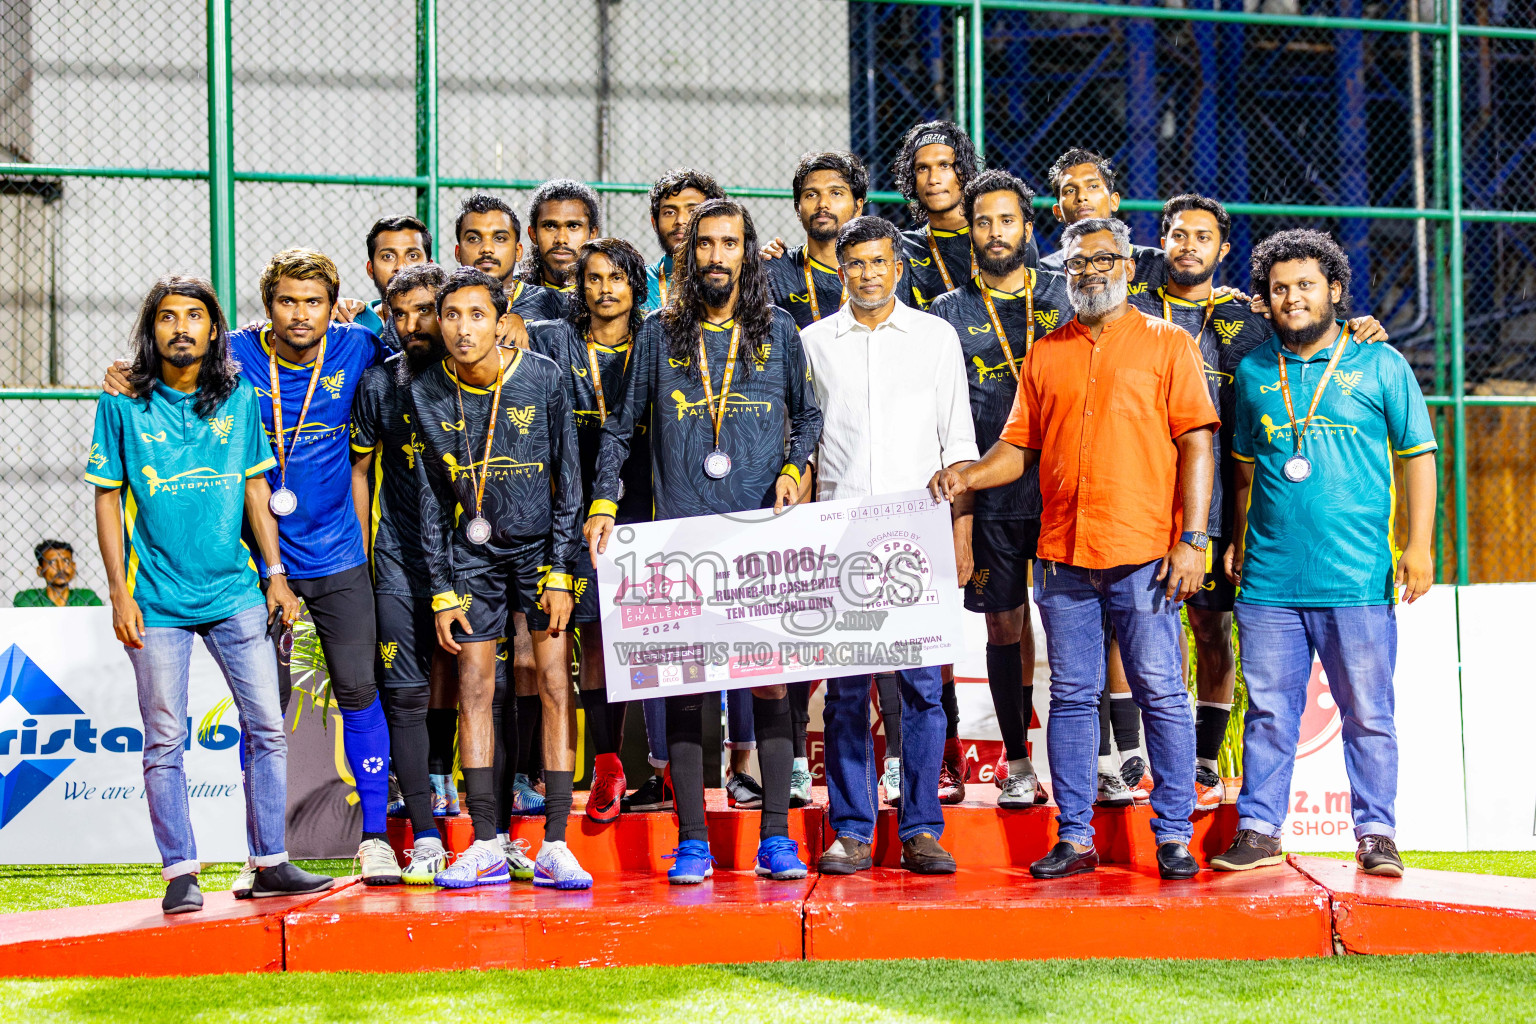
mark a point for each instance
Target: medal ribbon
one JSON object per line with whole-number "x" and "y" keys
{"x": 725, "y": 382}
{"x": 933, "y": 249}
{"x": 277, "y": 404}
{"x": 997, "y": 323}
{"x": 478, "y": 482}
{"x": 1205, "y": 322}
{"x": 661, "y": 283}
{"x": 597, "y": 373}
{"x": 1317, "y": 396}
{"x": 810, "y": 290}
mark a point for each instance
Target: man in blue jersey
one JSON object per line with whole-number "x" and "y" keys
{"x": 393, "y": 244}
{"x": 176, "y": 472}
{"x": 1319, "y": 419}
{"x": 305, "y": 370}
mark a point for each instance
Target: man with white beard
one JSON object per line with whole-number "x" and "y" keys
{"x": 1124, "y": 450}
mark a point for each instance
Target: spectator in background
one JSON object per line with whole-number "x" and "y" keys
{"x": 56, "y": 565}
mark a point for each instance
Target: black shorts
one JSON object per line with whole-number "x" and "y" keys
{"x": 513, "y": 585}
{"x": 584, "y": 588}
{"x": 1216, "y": 592}
{"x": 1002, "y": 550}
{"x": 407, "y": 639}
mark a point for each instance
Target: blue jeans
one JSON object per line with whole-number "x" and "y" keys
{"x": 240, "y": 646}
{"x": 1358, "y": 649}
{"x": 1073, "y": 605}
{"x": 654, "y": 711}
{"x": 850, "y": 755}
{"x": 740, "y": 731}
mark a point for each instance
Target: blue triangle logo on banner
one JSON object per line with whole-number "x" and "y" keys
{"x": 34, "y": 691}
{"x": 25, "y": 782}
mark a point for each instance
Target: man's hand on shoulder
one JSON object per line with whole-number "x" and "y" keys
{"x": 346, "y": 310}
{"x": 115, "y": 380}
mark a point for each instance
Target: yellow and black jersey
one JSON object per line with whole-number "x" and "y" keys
{"x": 1151, "y": 268}
{"x": 537, "y": 301}
{"x": 558, "y": 340}
{"x": 382, "y": 423}
{"x": 993, "y": 383}
{"x": 925, "y": 281}
{"x": 771, "y": 398}
{"x": 532, "y": 480}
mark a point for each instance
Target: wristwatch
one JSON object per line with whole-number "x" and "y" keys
{"x": 276, "y": 569}
{"x": 1195, "y": 539}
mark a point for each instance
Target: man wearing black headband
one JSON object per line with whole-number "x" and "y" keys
{"x": 937, "y": 159}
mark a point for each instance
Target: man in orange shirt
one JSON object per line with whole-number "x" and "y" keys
{"x": 1114, "y": 409}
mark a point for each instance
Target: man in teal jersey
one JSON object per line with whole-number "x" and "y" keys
{"x": 673, "y": 199}
{"x": 393, "y": 244}
{"x": 176, "y": 472}
{"x": 1319, "y": 419}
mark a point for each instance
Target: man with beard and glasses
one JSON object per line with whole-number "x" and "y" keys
{"x": 500, "y": 495}
{"x": 1319, "y": 419}
{"x": 562, "y": 215}
{"x": 892, "y": 386}
{"x": 721, "y": 381}
{"x": 1113, "y": 408}
{"x": 593, "y": 345}
{"x": 936, "y": 160}
{"x": 306, "y": 370}
{"x": 674, "y": 197}
{"x": 176, "y": 471}
{"x": 998, "y": 314}
{"x": 393, "y": 244}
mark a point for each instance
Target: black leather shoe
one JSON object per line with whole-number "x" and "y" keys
{"x": 182, "y": 896}
{"x": 923, "y": 855}
{"x": 1174, "y": 862}
{"x": 1063, "y": 860}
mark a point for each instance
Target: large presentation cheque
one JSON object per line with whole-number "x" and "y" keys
{"x": 825, "y": 589}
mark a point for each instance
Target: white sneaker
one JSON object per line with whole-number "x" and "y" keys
{"x": 377, "y": 863}
{"x": 1113, "y": 791}
{"x": 428, "y": 858}
{"x": 245, "y": 881}
{"x": 481, "y": 864}
{"x": 891, "y": 780}
{"x": 800, "y": 782}
{"x": 1018, "y": 791}
{"x": 516, "y": 852}
{"x": 557, "y": 868}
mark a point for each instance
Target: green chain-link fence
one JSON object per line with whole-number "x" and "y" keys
{"x": 139, "y": 137}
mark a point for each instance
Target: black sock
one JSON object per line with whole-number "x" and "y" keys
{"x": 557, "y": 804}
{"x": 775, "y": 756}
{"x": 530, "y": 717}
{"x": 405, "y": 711}
{"x": 799, "y": 716}
{"x": 480, "y": 795}
{"x": 1210, "y": 730}
{"x": 599, "y": 722}
{"x": 888, "y": 690}
{"x": 951, "y": 711}
{"x": 442, "y": 726}
{"x": 685, "y": 752}
{"x": 503, "y": 752}
{"x": 1125, "y": 717}
{"x": 1005, "y": 677}
{"x": 1105, "y": 729}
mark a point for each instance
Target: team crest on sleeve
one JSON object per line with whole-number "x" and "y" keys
{"x": 521, "y": 417}
{"x": 334, "y": 382}
{"x": 1048, "y": 318}
{"x": 1228, "y": 329}
{"x": 222, "y": 425}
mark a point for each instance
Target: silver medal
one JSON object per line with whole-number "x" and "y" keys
{"x": 621, "y": 490}
{"x": 283, "y": 502}
{"x": 717, "y": 464}
{"x": 478, "y": 531}
{"x": 1297, "y": 468}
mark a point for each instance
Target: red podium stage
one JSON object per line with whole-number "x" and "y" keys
{"x": 991, "y": 909}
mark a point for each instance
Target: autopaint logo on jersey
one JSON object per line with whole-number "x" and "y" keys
{"x": 199, "y": 479}
{"x": 1320, "y": 721}
{"x": 1320, "y": 425}
{"x": 735, "y": 403}
{"x": 984, "y": 373}
{"x": 501, "y": 467}
{"x": 43, "y": 731}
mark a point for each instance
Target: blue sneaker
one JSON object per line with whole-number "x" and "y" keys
{"x": 445, "y": 797}
{"x": 691, "y": 863}
{"x": 557, "y": 868}
{"x": 778, "y": 858}
{"x": 482, "y": 864}
{"x": 526, "y": 799}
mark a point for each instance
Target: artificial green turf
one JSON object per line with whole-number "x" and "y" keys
{"x": 1416, "y": 988}
{"x": 1517, "y": 863}
{"x": 51, "y": 886}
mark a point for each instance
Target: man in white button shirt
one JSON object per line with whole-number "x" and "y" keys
{"x": 892, "y": 388}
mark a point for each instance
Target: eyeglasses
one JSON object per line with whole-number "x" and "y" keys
{"x": 878, "y": 265}
{"x": 1102, "y": 261}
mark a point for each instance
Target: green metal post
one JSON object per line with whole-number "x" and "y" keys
{"x": 978, "y": 77}
{"x": 1458, "y": 313}
{"x": 962, "y": 42}
{"x": 1438, "y": 163}
{"x": 426, "y": 114}
{"x": 221, "y": 155}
